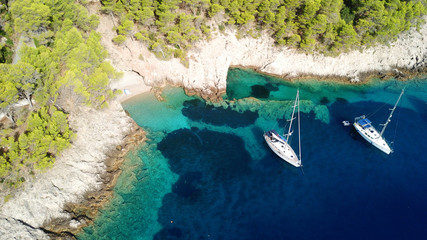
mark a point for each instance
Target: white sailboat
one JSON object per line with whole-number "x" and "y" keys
{"x": 364, "y": 127}
{"x": 280, "y": 144}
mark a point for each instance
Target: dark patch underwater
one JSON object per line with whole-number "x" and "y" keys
{"x": 346, "y": 190}
{"x": 197, "y": 110}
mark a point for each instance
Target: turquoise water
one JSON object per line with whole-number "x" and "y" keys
{"x": 206, "y": 172}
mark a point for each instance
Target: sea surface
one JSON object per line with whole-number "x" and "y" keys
{"x": 206, "y": 172}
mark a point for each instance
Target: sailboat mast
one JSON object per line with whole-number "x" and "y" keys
{"x": 292, "y": 118}
{"x": 299, "y": 129}
{"x": 391, "y": 113}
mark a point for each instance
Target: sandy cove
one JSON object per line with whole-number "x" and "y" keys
{"x": 79, "y": 169}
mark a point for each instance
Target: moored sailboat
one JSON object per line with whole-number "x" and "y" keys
{"x": 280, "y": 145}
{"x": 364, "y": 127}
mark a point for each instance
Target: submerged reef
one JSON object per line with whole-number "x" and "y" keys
{"x": 275, "y": 109}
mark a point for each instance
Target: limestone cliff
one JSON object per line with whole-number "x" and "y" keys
{"x": 79, "y": 169}
{"x": 209, "y": 61}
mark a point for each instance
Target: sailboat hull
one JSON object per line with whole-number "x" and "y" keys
{"x": 372, "y": 136}
{"x": 281, "y": 148}
{"x": 364, "y": 127}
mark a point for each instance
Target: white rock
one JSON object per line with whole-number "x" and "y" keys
{"x": 13, "y": 229}
{"x": 75, "y": 171}
{"x": 210, "y": 60}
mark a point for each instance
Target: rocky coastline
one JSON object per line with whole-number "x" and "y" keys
{"x": 209, "y": 61}
{"x": 67, "y": 197}
{"x": 83, "y": 213}
{"x": 60, "y": 202}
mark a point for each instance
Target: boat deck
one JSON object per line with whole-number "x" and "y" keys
{"x": 278, "y": 144}
{"x": 370, "y": 134}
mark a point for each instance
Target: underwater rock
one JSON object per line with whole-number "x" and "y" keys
{"x": 279, "y": 109}
{"x": 259, "y": 91}
{"x": 321, "y": 113}
{"x": 197, "y": 110}
{"x": 324, "y": 100}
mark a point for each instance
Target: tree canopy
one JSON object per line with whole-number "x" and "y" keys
{"x": 62, "y": 63}
{"x": 326, "y": 26}
{"x": 61, "y": 66}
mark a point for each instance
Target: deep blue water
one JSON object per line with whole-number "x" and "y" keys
{"x": 206, "y": 172}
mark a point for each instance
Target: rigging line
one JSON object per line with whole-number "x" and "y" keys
{"x": 397, "y": 123}
{"x": 372, "y": 114}
{"x": 284, "y": 127}
{"x": 299, "y": 131}
{"x": 275, "y": 125}
{"x": 292, "y": 117}
{"x": 290, "y": 139}
{"x": 391, "y": 113}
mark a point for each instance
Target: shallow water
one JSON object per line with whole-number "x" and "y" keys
{"x": 206, "y": 172}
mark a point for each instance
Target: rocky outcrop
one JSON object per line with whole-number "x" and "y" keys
{"x": 79, "y": 173}
{"x": 17, "y": 229}
{"x": 76, "y": 172}
{"x": 209, "y": 61}
{"x": 82, "y": 213}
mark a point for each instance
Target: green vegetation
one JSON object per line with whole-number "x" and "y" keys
{"x": 61, "y": 66}
{"x": 170, "y": 27}
{"x": 6, "y": 44}
{"x": 46, "y": 134}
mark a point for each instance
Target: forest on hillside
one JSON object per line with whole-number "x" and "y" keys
{"x": 61, "y": 66}
{"x": 170, "y": 27}
{"x": 61, "y": 63}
